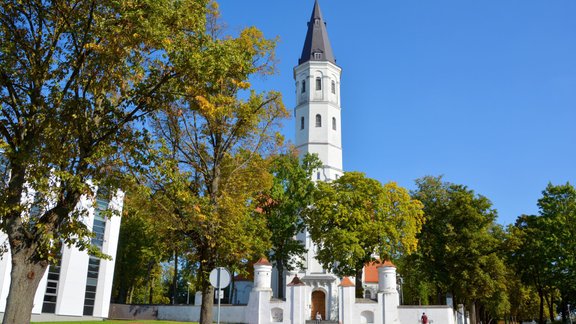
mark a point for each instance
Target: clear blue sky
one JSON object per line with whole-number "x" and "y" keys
{"x": 482, "y": 92}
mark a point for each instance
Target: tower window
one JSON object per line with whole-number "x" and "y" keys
{"x": 333, "y": 87}
{"x": 318, "y": 120}
{"x": 318, "y": 56}
{"x": 333, "y": 123}
{"x": 318, "y": 176}
{"x": 301, "y": 122}
{"x": 318, "y": 84}
{"x": 303, "y": 86}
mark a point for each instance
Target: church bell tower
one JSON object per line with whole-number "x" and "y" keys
{"x": 317, "y": 112}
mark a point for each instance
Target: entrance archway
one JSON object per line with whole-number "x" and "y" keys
{"x": 318, "y": 304}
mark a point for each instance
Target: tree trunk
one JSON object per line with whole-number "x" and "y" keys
{"x": 550, "y": 304}
{"x": 473, "y": 318}
{"x": 564, "y": 307}
{"x": 25, "y": 277}
{"x": 280, "y": 268}
{"x": 541, "y": 316}
{"x": 207, "y": 304}
{"x": 358, "y": 282}
{"x": 175, "y": 278}
{"x": 149, "y": 279}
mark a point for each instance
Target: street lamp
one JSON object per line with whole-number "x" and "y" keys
{"x": 188, "y": 294}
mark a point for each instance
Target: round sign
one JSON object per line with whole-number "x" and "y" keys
{"x": 220, "y": 278}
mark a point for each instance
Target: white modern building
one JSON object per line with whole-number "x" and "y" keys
{"x": 79, "y": 285}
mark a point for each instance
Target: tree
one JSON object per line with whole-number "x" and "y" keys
{"x": 355, "y": 220}
{"x": 460, "y": 247}
{"x": 530, "y": 257}
{"x": 143, "y": 244}
{"x": 209, "y": 165}
{"x": 74, "y": 77}
{"x": 545, "y": 256}
{"x": 283, "y": 205}
{"x": 558, "y": 211}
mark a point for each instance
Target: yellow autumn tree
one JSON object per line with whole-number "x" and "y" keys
{"x": 210, "y": 160}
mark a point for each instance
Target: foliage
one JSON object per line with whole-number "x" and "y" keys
{"x": 355, "y": 220}
{"x": 143, "y": 244}
{"x": 460, "y": 246}
{"x": 291, "y": 193}
{"x": 544, "y": 248}
{"x": 209, "y": 160}
{"x": 74, "y": 79}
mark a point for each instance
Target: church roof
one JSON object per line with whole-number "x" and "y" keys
{"x": 317, "y": 45}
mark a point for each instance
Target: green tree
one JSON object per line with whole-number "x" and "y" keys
{"x": 558, "y": 210}
{"x": 74, "y": 76}
{"x": 545, "y": 256}
{"x": 210, "y": 165}
{"x": 355, "y": 220}
{"x": 530, "y": 257}
{"x": 144, "y": 243}
{"x": 460, "y": 247}
{"x": 291, "y": 193}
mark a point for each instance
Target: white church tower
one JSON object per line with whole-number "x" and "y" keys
{"x": 318, "y": 130}
{"x": 317, "y": 109}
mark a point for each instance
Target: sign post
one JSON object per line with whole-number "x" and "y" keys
{"x": 219, "y": 278}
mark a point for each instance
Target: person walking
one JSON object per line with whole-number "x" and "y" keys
{"x": 424, "y": 319}
{"x": 318, "y": 317}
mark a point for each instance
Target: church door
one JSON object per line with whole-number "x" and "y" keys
{"x": 318, "y": 304}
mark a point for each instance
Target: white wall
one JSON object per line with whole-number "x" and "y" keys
{"x": 189, "y": 313}
{"x": 436, "y": 314}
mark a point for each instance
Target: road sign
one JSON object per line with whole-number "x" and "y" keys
{"x": 220, "y": 278}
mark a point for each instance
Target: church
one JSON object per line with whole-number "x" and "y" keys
{"x": 314, "y": 290}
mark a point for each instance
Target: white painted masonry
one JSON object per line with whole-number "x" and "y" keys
{"x": 71, "y": 287}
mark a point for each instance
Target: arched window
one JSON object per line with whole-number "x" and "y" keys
{"x": 333, "y": 87}
{"x": 301, "y": 122}
{"x": 303, "y": 86}
{"x": 318, "y": 84}
{"x": 334, "y": 123}
{"x": 318, "y": 120}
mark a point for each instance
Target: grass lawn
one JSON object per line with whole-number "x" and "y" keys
{"x": 116, "y": 322}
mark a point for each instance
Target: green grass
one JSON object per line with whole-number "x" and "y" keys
{"x": 116, "y": 322}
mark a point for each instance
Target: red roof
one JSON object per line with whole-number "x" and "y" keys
{"x": 387, "y": 264}
{"x": 296, "y": 282}
{"x": 346, "y": 282}
{"x": 263, "y": 261}
{"x": 371, "y": 272}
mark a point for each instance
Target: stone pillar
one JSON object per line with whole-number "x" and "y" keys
{"x": 388, "y": 298}
{"x": 347, "y": 301}
{"x": 258, "y": 309}
{"x": 296, "y": 297}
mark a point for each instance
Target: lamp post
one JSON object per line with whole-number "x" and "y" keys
{"x": 188, "y": 294}
{"x": 569, "y": 314}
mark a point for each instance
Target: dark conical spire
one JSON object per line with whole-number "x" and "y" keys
{"x": 317, "y": 45}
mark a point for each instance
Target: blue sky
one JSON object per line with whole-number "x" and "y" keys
{"x": 482, "y": 92}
